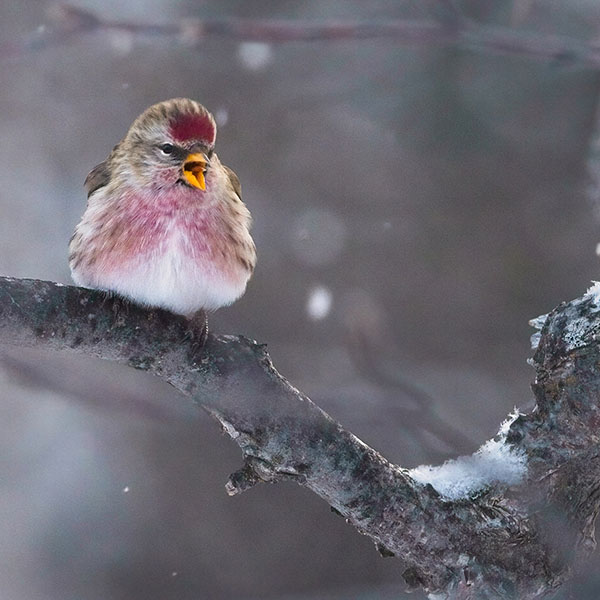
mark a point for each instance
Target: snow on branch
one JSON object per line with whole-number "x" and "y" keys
{"x": 511, "y": 521}
{"x": 67, "y": 23}
{"x": 495, "y": 462}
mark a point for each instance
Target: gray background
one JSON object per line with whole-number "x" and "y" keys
{"x": 440, "y": 196}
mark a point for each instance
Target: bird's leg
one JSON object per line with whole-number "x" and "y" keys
{"x": 197, "y": 331}
{"x": 119, "y": 305}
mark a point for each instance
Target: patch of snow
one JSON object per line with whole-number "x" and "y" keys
{"x": 494, "y": 462}
{"x": 463, "y": 560}
{"x": 594, "y": 293}
{"x": 319, "y": 303}
{"x": 578, "y": 330}
{"x": 575, "y": 333}
{"x": 534, "y": 340}
{"x": 581, "y": 331}
{"x": 538, "y": 322}
{"x": 230, "y": 430}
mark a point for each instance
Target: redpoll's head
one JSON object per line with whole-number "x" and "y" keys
{"x": 170, "y": 143}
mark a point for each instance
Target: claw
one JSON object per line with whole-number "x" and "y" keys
{"x": 197, "y": 332}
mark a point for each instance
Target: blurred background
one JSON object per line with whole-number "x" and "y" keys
{"x": 414, "y": 207}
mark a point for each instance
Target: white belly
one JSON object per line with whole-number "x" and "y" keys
{"x": 170, "y": 277}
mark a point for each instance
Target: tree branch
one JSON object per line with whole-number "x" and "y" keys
{"x": 511, "y": 536}
{"x": 69, "y": 22}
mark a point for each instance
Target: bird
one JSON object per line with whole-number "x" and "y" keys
{"x": 165, "y": 225}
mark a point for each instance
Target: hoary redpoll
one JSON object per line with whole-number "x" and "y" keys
{"x": 165, "y": 225}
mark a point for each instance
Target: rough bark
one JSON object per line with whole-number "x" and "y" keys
{"x": 519, "y": 542}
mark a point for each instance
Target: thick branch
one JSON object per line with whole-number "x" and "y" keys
{"x": 281, "y": 432}
{"x": 69, "y": 22}
{"x": 490, "y": 543}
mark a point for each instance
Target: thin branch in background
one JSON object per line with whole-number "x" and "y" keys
{"x": 368, "y": 357}
{"x": 449, "y": 13}
{"x": 68, "y": 23}
{"x": 102, "y": 395}
{"x": 521, "y": 9}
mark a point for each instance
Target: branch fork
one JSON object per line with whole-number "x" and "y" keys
{"x": 518, "y": 533}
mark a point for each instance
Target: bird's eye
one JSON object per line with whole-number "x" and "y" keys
{"x": 167, "y": 148}
{"x": 210, "y": 153}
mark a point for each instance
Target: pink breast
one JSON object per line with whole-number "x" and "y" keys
{"x": 149, "y": 229}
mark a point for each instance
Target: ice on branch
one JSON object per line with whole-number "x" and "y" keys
{"x": 594, "y": 293}
{"x": 537, "y": 324}
{"x": 496, "y": 462}
{"x": 580, "y": 330}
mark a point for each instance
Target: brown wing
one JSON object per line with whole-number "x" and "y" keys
{"x": 235, "y": 182}
{"x": 98, "y": 177}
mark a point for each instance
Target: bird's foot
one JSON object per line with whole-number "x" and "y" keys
{"x": 119, "y": 307}
{"x": 197, "y": 332}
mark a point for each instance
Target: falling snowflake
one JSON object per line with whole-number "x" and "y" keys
{"x": 255, "y": 55}
{"x": 319, "y": 303}
{"x": 318, "y": 237}
{"x": 221, "y": 116}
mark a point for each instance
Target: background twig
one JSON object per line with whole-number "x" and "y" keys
{"x": 68, "y": 22}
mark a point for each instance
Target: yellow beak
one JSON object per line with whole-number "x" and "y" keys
{"x": 194, "y": 168}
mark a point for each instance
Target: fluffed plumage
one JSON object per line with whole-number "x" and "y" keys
{"x": 165, "y": 225}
